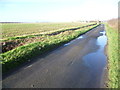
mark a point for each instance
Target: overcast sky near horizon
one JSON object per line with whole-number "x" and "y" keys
{"x": 57, "y": 10}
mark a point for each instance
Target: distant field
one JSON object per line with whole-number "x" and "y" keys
{"x": 18, "y": 29}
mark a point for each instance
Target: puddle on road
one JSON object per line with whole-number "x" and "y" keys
{"x": 80, "y": 37}
{"x": 66, "y": 44}
{"x": 97, "y": 58}
{"x": 102, "y": 40}
{"x": 96, "y": 61}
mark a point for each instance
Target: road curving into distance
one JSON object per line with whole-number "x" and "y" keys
{"x": 78, "y": 64}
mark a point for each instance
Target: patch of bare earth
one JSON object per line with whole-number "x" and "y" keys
{"x": 11, "y": 44}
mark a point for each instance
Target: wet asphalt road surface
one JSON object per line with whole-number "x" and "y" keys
{"x": 78, "y": 64}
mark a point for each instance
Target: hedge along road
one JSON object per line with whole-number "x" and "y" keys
{"x": 78, "y": 64}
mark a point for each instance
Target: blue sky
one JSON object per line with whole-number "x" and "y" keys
{"x": 57, "y": 10}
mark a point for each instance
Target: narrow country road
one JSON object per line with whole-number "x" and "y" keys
{"x": 78, "y": 64}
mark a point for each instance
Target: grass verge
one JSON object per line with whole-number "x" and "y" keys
{"x": 113, "y": 69}
{"x": 19, "y": 55}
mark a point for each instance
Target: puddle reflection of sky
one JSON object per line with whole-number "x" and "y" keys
{"x": 80, "y": 37}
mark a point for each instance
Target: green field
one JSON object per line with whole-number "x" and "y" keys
{"x": 18, "y": 29}
{"x": 113, "y": 59}
{"x": 12, "y": 42}
{"x": 20, "y": 49}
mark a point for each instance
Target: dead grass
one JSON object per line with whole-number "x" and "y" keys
{"x": 114, "y": 23}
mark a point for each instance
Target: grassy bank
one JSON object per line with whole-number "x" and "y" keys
{"x": 19, "y": 55}
{"x": 113, "y": 61}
